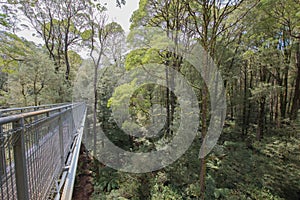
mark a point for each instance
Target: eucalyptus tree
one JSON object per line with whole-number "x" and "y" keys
{"x": 170, "y": 16}
{"x": 100, "y": 38}
{"x": 59, "y": 24}
{"x": 116, "y": 46}
{"x": 211, "y": 23}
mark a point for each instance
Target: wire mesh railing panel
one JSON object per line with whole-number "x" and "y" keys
{"x": 7, "y": 171}
{"x": 42, "y": 149}
{"x": 34, "y": 149}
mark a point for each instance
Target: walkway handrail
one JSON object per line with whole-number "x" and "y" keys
{"x": 12, "y": 111}
{"x": 17, "y": 117}
{"x": 34, "y": 149}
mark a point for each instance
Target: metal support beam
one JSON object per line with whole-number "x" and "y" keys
{"x": 61, "y": 139}
{"x": 20, "y": 161}
{"x": 2, "y": 151}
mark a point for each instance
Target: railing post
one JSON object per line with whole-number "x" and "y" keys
{"x": 61, "y": 138}
{"x": 36, "y": 134}
{"x": 2, "y": 151}
{"x": 71, "y": 118}
{"x": 20, "y": 161}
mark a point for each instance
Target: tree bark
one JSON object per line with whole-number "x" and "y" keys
{"x": 203, "y": 134}
{"x": 95, "y": 109}
{"x": 244, "y": 128}
{"x": 261, "y": 119}
{"x": 296, "y": 99}
{"x": 204, "y": 125}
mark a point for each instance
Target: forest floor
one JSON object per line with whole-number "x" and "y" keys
{"x": 84, "y": 178}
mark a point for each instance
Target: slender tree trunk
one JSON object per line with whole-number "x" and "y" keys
{"x": 24, "y": 94}
{"x": 261, "y": 112}
{"x": 167, "y": 102}
{"x": 261, "y": 119}
{"x": 249, "y": 104}
{"x": 232, "y": 114}
{"x": 244, "y": 128}
{"x": 67, "y": 63}
{"x": 271, "y": 114}
{"x": 204, "y": 126}
{"x": 66, "y": 51}
{"x": 35, "y": 99}
{"x": 95, "y": 102}
{"x": 284, "y": 96}
{"x": 35, "y": 90}
{"x": 296, "y": 99}
{"x": 95, "y": 110}
{"x": 203, "y": 134}
{"x": 277, "y": 118}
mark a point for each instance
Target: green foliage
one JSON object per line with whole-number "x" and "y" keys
{"x": 83, "y": 82}
{"x": 134, "y": 59}
{"x": 114, "y": 27}
{"x": 139, "y": 57}
{"x": 138, "y": 16}
{"x": 107, "y": 180}
{"x": 164, "y": 193}
{"x": 267, "y": 170}
{"x": 33, "y": 81}
{"x": 13, "y": 49}
{"x": 3, "y": 20}
{"x": 86, "y": 35}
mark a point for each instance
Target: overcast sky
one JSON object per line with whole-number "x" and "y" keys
{"x": 121, "y": 15}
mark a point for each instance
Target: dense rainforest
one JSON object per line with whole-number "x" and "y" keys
{"x": 249, "y": 55}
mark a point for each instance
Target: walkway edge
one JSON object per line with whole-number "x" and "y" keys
{"x": 70, "y": 180}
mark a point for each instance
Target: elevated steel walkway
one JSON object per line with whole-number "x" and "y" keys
{"x": 39, "y": 149}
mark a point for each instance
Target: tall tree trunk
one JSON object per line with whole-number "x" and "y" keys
{"x": 167, "y": 102}
{"x": 261, "y": 112}
{"x": 261, "y": 119}
{"x": 66, "y": 47}
{"x": 95, "y": 110}
{"x": 277, "y": 118}
{"x": 244, "y": 128}
{"x": 68, "y": 67}
{"x": 204, "y": 125}
{"x": 249, "y": 104}
{"x": 97, "y": 64}
{"x": 284, "y": 96}
{"x": 296, "y": 99}
{"x": 203, "y": 134}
